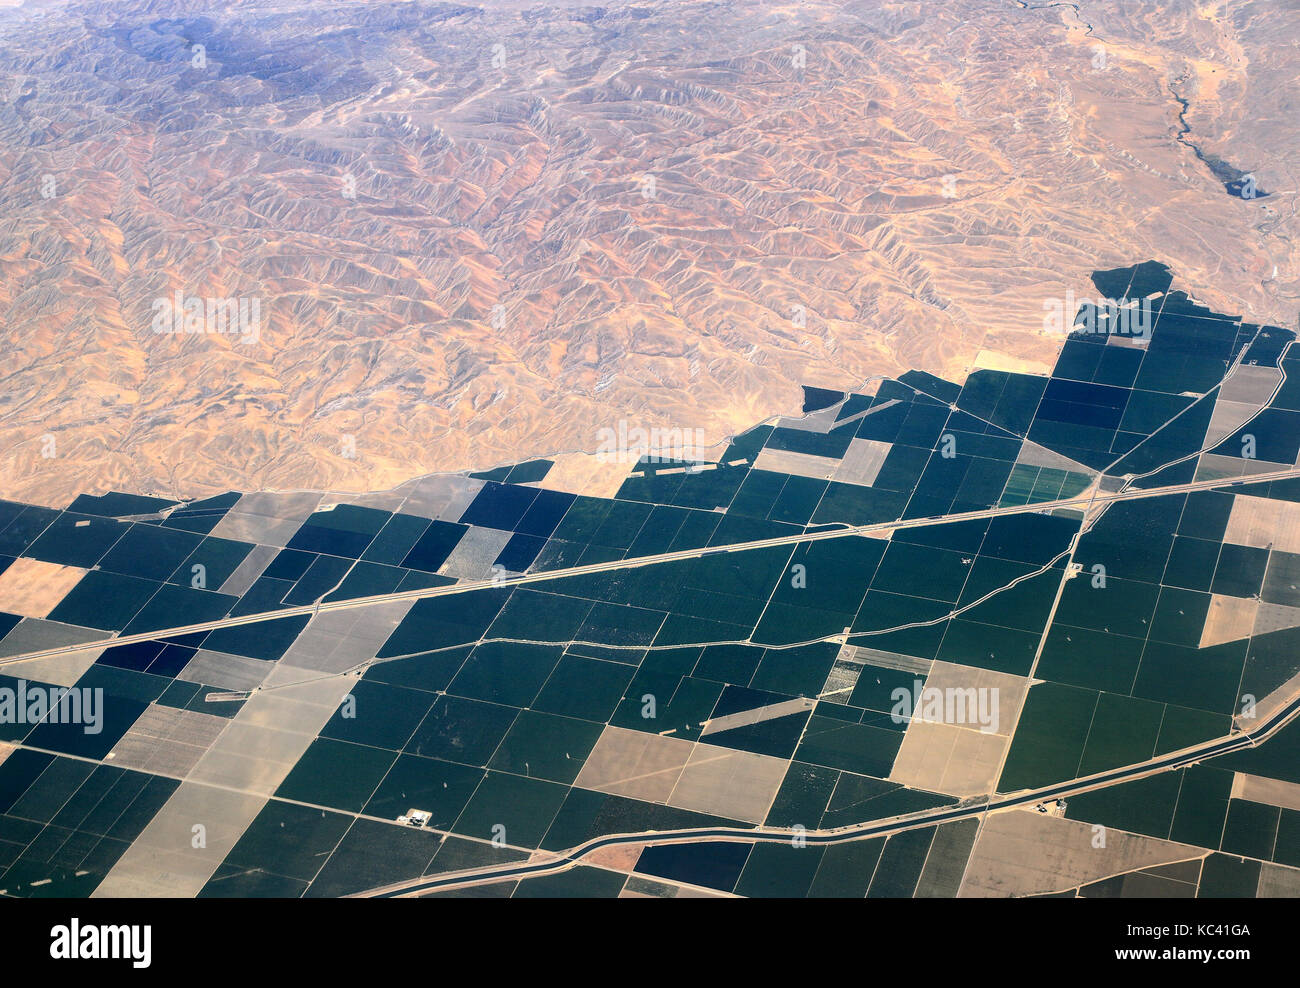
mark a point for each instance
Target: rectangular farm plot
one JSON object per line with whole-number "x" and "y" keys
{"x": 632, "y": 763}
{"x": 950, "y": 760}
{"x": 167, "y": 741}
{"x": 1264, "y": 523}
{"x": 834, "y": 742}
{"x": 266, "y": 518}
{"x": 341, "y": 530}
{"x": 150, "y": 552}
{"x": 33, "y": 588}
{"x": 958, "y": 748}
{"x": 1050, "y": 737}
{"x": 545, "y": 746}
{"x": 1021, "y": 852}
{"x": 740, "y": 785}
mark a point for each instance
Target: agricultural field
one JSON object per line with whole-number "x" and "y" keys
{"x": 1023, "y": 635}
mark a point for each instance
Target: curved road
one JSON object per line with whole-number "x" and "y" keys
{"x": 572, "y": 857}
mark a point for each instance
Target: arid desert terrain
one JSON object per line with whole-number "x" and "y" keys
{"x": 464, "y": 235}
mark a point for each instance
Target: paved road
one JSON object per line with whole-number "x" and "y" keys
{"x": 814, "y": 536}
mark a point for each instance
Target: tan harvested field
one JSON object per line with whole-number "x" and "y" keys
{"x": 621, "y": 857}
{"x": 960, "y": 759}
{"x": 1258, "y": 789}
{"x": 167, "y": 740}
{"x": 707, "y": 778}
{"x": 482, "y": 234}
{"x": 579, "y": 473}
{"x": 630, "y": 763}
{"x": 1023, "y": 852}
{"x": 1228, "y": 619}
{"x": 947, "y": 759}
{"x": 739, "y": 785}
{"x": 33, "y": 588}
{"x": 1264, "y": 523}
